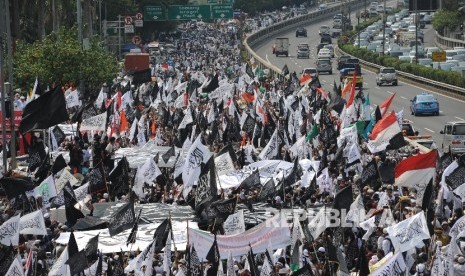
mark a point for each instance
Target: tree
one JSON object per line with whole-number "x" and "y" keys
{"x": 58, "y": 58}
{"x": 445, "y": 18}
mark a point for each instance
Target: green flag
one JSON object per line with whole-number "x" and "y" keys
{"x": 312, "y": 133}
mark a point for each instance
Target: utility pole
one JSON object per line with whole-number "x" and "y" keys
{"x": 416, "y": 31}
{"x": 119, "y": 35}
{"x": 10, "y": 80}
{"x": 384, "y": 27}
{"x": 358, "y": 28}
{"x": 2, "y": 87}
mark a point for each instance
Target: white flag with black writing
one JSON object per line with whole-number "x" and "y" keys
{"x": 147, "y": 173}
{"x": 271, "y": 149}
{"x": 9, "y": 231}
{"x": 16, "y": 268}
{"x": 234, "y": 224}
{"x": 32, "y": 224}
{"x": 96, "y": 123}
{"x": 72, "y": 99}
{"x": 319, "y": 223}
{"x": 187, "y": 119}
{"x": 409, "y": 232}
{"x": 197, "y": 155}
{"x": 369, "y": 226}
{"x": 64, "y": 178}
{"x": 395, "y": 265}
{"x": 224, "y": 164}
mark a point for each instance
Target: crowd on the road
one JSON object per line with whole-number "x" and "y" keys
{"x": 303, "y": 120}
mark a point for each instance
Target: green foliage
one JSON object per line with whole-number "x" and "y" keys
{"x": 254, "y": 7}
{"x": 59, "y": 59}
{"x": 452, "y": 78}
{"x": 446, "y": 18}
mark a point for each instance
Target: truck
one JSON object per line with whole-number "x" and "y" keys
{"x": 135, "y": 62}
{"x": 282, "y": 46}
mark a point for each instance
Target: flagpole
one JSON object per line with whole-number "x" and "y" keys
{"x": 172, "y": 236}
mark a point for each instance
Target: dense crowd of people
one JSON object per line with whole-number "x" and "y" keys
{"x": 294, "y": 113}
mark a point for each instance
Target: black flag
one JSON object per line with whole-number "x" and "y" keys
{"x": 456, "y": 177}
{"x": 268, "y": 190}
{"x": 249, "y": 71}
{"x": 122, "y": 219}
{"x": 252, "y": 181}
{"x": 92, "y": 247}
{"x": 14, "y": 186}
{"x": 222, "y": 208}
{"x": 213, "y": 256}
{"x": 285, "y": 70}
{"x": 96, "y": 180}
{"x": 77, "y": 263}
{"x": 36, "y": 157}
{"x": 194, "y": 265}
{"x": 343, "y": 199}
{"x": 132, "y": 236}
{"x": 7, "y": 258}
{"x": 44, "y": 112}
{"x": 166, "y": 156}
{"x": 72, "y": 214}
{"x": 60, "y": 136}
{"x": 206, "y": 190}
{"x": 253, "y": 266}
{"x": 161, "y": 235}
{"x": 72, "y": 245}
{"x": 119, "y": 178}
{"x": 369, "y": 173}
{"x": 58, "y": 164}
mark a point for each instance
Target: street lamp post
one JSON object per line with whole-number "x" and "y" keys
{"x": 358, "y": 28}
{"x": 416, "y": 31}
{"x": 365, "y": 14}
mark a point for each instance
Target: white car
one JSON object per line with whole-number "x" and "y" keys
{"x": 330, "y": 47}
{"x": 324, "y": 53}
{"x": 324, "y": 30}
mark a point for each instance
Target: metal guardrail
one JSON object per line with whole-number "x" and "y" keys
{"x": 449, "y": 42}
{"x": 280, "y": 27}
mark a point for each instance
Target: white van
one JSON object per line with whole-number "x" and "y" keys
{"x": 453, "y": 140}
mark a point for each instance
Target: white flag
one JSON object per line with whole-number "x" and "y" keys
{"x": 324, "y": 181}
{"x": 394, "y": 266}
{"x": 197, "y": 155}
{"x": 211, "y": 115}
{"x": 438, "y": 266}
{"x": 297, "y": 233}
{"x": 356, "y": 212}
{"x": 126, "y": 99}
{"x": 60, "y": 268}
{"x": 32, "y": 224}
{"x": 318, "y": 224}
{"x": 72, "y": 99}
{"x": 187, "y": 119}
{"x": 353, "y": 154}
{"x": 31, "y": 96}
{"x": 369, "y": 226}
{"x": 64, "y": 178}
{"x": 144, "y": 258}
{"x": 96, "y": 123}
{"x": 409, "y": 232}
{"x": 46, "y": 190}
{"x": 224, "y": 164}
{"x": 271, "y": 149}
{"x": 167, "y": 255}
{"x": 230, "y": 270}
{"x": 147, "y": 173}
{"x": 132, "y": 131}
{"x": 53, "y": 141}
{"x": 234, "y": 224}
{"x": 16, "y": 268}
{"x": 100, "y": 98}
{"x": 9, "y": 231}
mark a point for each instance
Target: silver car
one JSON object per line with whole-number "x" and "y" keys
{"x": 324, "y": 65}
{"x": 303, "y": 51}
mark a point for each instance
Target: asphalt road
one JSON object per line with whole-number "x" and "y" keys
{"x": 451, "y": 109}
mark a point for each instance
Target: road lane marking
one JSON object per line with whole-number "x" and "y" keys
{"x": 459, "y": 118}
{"x": 266, "y": 56}
{"x": 390, "y": 92}
{"x": 378, "y": 88}
{"x": 432, "y": 131}
{"x": 403, "y": 97}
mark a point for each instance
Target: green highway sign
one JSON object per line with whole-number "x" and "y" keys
{"x": 198, "y": 12}
{"x": 154, "y": 13}
{"x": 222, "y": 11}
